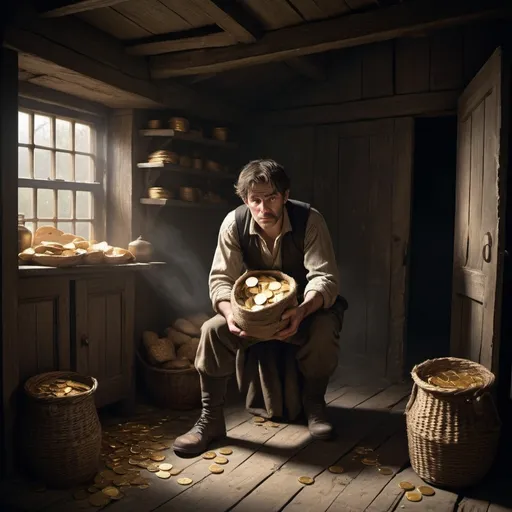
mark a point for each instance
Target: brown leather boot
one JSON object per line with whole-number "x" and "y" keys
{"x": 210, "y": 425}
{"x": 314, "y": 408}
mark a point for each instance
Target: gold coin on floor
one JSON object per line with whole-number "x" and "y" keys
{"x": 209, "y": 455}
{"x": 413, "y": 495}
{"x": 112, "y": 492}
{"x": 163, "y": 474}
{"x": 99, "y": 499}
{"x": 165, "y": 466}
{"x": 175, "y": 471}
{"x": 213, "y": 468}
{"x": 369, "y": 462}
{"x": 92, "y": 490}
{"x": 144, "y": 486}
{"x": 406, "y": 486}
{"x": 306, "y": 480}
{"x": 426, "y": 490}
{"x": 184, "y": 481}
{"x": 336, "y": 469}
{"x": 157, "y": 457}
{"x": 221, "y": 460}
{"x": 153, "y": 468}
{"x": 385, "y": 471}
{"x": 257, "y": 419}
{"x": 82, "y": 494}
{"x": 225, "y": 451}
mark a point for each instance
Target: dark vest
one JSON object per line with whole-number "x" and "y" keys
{"x": 292, "y": 243}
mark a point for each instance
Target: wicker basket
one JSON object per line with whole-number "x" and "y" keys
{"x": 452, "y": 434}
{"x": 61, "y": 436}
{"x": 173, "y": 389}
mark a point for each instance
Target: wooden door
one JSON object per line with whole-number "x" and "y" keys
{"x": 479, "y": 217}
{"x": 43, "y": 326}
{"x": 104, "y": 334}
{"x": 362, "y": 186}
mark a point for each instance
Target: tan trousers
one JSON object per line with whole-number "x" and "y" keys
{"x": 317, "y": 357}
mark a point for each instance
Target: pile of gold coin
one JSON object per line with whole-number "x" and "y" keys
{"x": 261, "y": 291}
{"x": 53, "y": 387}
{"x": 128, "y": 450}
{"x": 219, "y": 460}
{"x": 163, "y": 157}
{"x": 413, "y": 493}
{"x": 452, "y": 379}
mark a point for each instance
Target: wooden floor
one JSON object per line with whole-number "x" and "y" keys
{"x": 263, "y": 470}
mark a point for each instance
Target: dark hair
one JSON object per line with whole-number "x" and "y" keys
{"x": 262, "y": 171}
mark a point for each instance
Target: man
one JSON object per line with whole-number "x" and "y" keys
{"x": 269, "y": 231}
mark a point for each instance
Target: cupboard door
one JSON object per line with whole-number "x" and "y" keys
{"x": 43, "y": 326}
{"x": 104, "y": 334}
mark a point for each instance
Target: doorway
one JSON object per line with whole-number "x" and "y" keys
{"x": 431, "y": 240}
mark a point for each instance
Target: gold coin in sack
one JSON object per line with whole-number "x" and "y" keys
{"x": 274, "y": 286}
{"x": 256, "y": 307}
{"x": 251, "y": 282}
{"x": 260, "y": 299}
{"x": 254, "y": 290}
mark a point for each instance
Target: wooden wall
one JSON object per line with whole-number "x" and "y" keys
{"x": 351, "y": 176}
{"x": 410, "y": 76}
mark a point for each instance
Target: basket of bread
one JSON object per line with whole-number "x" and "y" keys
{"x": 53, "y": 248}
{"x": 258, "y": 300}
{"x": 167, "y": 363}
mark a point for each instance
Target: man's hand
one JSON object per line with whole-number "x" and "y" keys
{"x": 225, "y": 310}
{"x": 295, "y": 315}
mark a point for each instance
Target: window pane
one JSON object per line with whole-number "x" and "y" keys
{"x": 42, "y": 130}
{"x": 45, "y": 203}
{"x": 42, "y": 163}
{"x": 84, "y": 205}
{"x": 23, "y": 127}
{"x": 82, "y": 138}
{"x": 63, "y": 134}
{"x": 84, "y": 229}
{"x": 64, "y": 166}
{"x": 23, "y": 163}
{"x": 67, "y": 227}
{"x": 84, "y": 170}
{"x": 64, "y": 204}
{"x": 26, "y": 202}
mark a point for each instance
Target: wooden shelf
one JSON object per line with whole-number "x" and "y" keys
{"x": 184, "y": 204}
{"x": 187, "y": 171}
{"x": 190, "y": 137}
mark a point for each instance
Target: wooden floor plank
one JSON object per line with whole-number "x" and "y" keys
{"x": 270, "y": 456}
{"x": 473, "y": 505}
{"x": 363, "y": 489}
{"x": 282, "y": 487}
{"x": 442, "y": 500}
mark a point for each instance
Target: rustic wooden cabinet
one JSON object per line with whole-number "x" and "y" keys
{"x": 82, "y": 322}
{"x": 43, "y": 326}
{"x": 103, "y": 337}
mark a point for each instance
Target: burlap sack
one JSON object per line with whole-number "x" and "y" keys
{"x": 263, "y": 324}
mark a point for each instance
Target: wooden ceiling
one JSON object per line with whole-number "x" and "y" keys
{"x": 243, "y": 50}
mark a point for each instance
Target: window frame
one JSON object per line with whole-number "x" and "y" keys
{"x": 98, "y": 141}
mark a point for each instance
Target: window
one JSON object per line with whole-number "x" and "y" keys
{"x": 60, "y": 179}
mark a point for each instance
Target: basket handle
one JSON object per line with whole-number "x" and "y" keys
{"x": 412, "y": 398}
{"x": 480, "y": 409}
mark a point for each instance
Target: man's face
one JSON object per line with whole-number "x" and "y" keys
{"x": 266, "y": 205}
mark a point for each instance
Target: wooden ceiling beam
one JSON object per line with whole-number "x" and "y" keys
{"x": 204, "y": 37}
{"x": 233, "y": 18}
{"x": 82, "y": 49}
{"x": 57, "y": 8}
{"x": 343, "y": 32}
